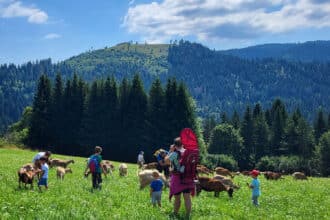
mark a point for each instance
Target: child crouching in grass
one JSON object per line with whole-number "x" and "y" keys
{"x": 255, "y": 186}
{"x": 156, "y": 189}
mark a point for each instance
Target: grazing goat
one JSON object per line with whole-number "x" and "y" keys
{"x": 123, "y": 169}
{"x": 61, "y": 171}
{"x": 60, "y": 163}
{"x": 212, "y": 185}
{"x": 223, "y": 171}
{"x": 25, "y": 176}
{"x": 226, "y": 181}
{"x": 201, "y": 169}
{"x": 146, "y": 177}
{"x": 107, "y": 167}
{"x": 150, "y": 166}
{"x": 272, "y": 175}
{"x": 299, "y": 176}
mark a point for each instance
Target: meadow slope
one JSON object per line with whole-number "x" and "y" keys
{"x": 120, "y": 197}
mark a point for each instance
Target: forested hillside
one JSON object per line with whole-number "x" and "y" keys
{"x": 219, "y": 83}
{"x": 225, "y": 83}
{"x": 305, "y": 52}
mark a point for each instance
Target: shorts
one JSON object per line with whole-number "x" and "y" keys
{"x": 156, "y": 197}
{"x": 183, "y": 191}
{"x": 42, "y": 182}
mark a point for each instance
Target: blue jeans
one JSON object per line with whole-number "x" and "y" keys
{"x": 156, "y": 197}
{"x": 255, "y": 200}
{"x": 96, "y": 180}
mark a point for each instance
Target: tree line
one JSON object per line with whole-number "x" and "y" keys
{"x": 271, "y": 139}
{"x": 72, "y": 117}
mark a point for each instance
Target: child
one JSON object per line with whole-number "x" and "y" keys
{"x": 44, "y": 173}
{"x": 255, "y": 186}
{"x": 95, "y": 167}
{"x": 156, "y": 189}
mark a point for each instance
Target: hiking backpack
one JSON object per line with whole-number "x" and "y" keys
{"x": 190, "y": 157}
{"x": 93, "y": 164}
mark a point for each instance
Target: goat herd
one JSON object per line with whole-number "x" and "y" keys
{"x": 221, "y": 179}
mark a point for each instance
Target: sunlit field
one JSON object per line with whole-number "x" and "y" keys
{"x": 120, "y": 197}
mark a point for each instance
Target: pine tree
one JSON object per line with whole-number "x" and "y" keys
{"x": 157, "y": 116}
{"x": 57, "y": 121}
{"x": 324, "y": 146}
{"x": 110, "y": 122}
{"x": 39, "y": 136}
{"x": 91, "y": 132}
{"x": 124, "y": 123}
{"x": 278, "y": 125}
{"x": 137, "y": 116}
{"x": 172, "y": 127}
{"x": 305, "y": 139}
{"x": 260, "y": 133}
{"x": 247, "y": 133}
{"x": 235, "y": 121}
{"x": 224, "y": 118}
{"x": 320, "y": 125}
{"x": 208, "y": 125}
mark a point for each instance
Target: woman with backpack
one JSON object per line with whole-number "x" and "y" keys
{"x": 177, "y": 185}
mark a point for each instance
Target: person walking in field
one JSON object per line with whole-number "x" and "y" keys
{"x": 156, "y": 189}
{"x": 140, "y": 159}
{"x": 43, "y": 181}
{"x": 94, "y": 164}
{"x": 255, "y": 186}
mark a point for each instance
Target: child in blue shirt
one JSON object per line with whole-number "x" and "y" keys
{"x": 255, "y": 186}
{"x": 156, "y": 189}
{"x": 44, "y": 173}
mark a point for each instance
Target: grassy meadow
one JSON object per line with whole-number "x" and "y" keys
{"x": 120, "y": 197}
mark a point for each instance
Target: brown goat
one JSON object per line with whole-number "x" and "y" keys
{"x": 60, "y": 163}
{"x": 299, "y": 176}
{"x": 226, "y": 181}
{"x": 201, "y": 169}
{"x": 272, "y": 175}
{"x": 107, "y": 167}
{"x": 223, "y": 171}
{"x": 212, "y": 185}
{"x": 25, "y": 176}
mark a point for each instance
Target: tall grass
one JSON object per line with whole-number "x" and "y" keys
{"x": 120, "y": 197}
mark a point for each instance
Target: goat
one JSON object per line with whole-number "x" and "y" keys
{"x": 226, "y": 181}
{"x": 212, "y": 185}
{"x": 25, "y": 176}
{"x": 203, "y": 169}
{"x": 272, "y": 175}
{"x": 123, "y": 169}
{"x": 107, "y": 167}
{"x": 223, "y": 171}
{"x": 61, "y": 171}
{"x": 145, "y": 178}
{"x": 60, "y": 163}
{"x": 299, "y": 176}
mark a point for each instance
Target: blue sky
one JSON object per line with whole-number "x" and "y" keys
{"x": 38, "y": 29}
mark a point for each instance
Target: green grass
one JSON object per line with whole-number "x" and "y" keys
{"x": 120, "y": 197}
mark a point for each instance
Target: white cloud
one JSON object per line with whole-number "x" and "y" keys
{"x": 226, "y": 19}
{"x": 16, "y": 9}
{"x": 52, "y": 36}
{"x": 131, "y": 2}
